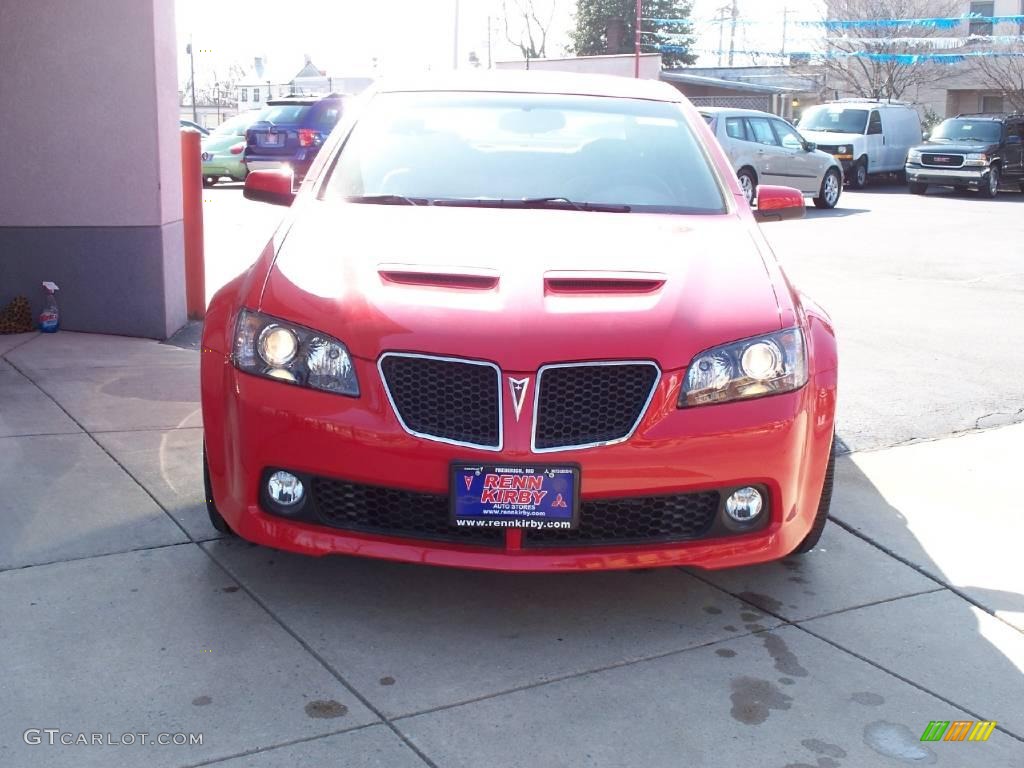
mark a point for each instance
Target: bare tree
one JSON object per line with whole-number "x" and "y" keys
{"x": 879, "y": 78}
{"x": 1004, "y": 73}
{"x": 526, "y": 27}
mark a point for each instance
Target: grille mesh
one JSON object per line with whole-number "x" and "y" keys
{"x": 449, "y": 399}
{"x": 390, "y": 511}
{"x": 584, "y": 404}
{"x": 642, "y": 519}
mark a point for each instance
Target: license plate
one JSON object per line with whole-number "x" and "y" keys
{"x": 272, "y": 139}
{"x": 511, "y": 496}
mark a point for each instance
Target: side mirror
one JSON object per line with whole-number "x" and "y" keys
{"x": 779, "y": 203}
{"x": 810, "y": 146}
{"x": 926, "y": 135}
{"x": 270, "y": 186}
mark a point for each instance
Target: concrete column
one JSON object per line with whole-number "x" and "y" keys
{"x": 90, "y": 179}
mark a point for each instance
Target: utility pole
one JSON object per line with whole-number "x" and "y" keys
{"x": 785, "y": 27}
{"x": 720, "y": 18}
{"x": 192, "y": 78}
{"x": 490, "y": 64}
{"x": 732, "y": 31}
{"x": 636, "y": 43}
{"x": 455, "y": 38}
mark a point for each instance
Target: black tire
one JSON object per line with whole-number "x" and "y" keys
{"x": 917, "y": 188}
{"x": 991, "y": 188}
{"x": 859, "y": 174}
{"x": 830, "y": 191}
{"x": 216, "y": 520}
{"x": 748, "y": 177}
{"x": 824, "y": 503}
{"x": 209, "y": 181}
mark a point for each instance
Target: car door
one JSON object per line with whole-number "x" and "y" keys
{"x": 1013, "y": 165}
{"x": 737, "y": 142}
{"x": 874, "y": 144}
{"x": 797, "y": 167}
{"x": 767, "y": 154}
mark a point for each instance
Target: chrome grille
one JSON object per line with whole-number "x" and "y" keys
{"x": 445, "y": 399}
{"x": 942, "y": 160}
{"x": 583, "y": 405}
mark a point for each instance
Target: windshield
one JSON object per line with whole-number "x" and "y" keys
{"x": 834, "y": 119}
{"x": 283, "y": 113}
{"x": 479, "y": 148}
{"x": 987, "y": 131}
{"x": 235, "y": 126}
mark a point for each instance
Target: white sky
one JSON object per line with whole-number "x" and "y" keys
{"x": 344, "y": 37}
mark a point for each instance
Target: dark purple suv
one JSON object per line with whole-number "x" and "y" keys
{"x": 290, "y": 131}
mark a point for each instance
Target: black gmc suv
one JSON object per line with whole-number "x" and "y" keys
{"x": 970, "y": 152}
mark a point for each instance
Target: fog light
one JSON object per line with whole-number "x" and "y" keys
{"x": 744, "y": 505}
{"x": 285, "y": 489}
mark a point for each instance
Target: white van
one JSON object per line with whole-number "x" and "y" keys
{"x": 865, "y": 135}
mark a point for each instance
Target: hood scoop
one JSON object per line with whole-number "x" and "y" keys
{"x": 471, "y": 278}
{"x": 591, "y": 282}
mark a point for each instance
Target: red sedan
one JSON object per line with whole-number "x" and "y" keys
{"x": 522, "y": 323}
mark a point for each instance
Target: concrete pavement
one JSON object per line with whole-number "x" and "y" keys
{"x": 122, "y": 611}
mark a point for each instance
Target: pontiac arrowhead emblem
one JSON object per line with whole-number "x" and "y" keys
{"x": 469, "y": 482}
{"x": 518, "y": 388}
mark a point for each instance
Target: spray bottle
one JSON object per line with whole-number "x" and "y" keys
{"x": 49, "y": 318}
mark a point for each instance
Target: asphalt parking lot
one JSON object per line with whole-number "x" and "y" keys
{"x": 911, "y": 610}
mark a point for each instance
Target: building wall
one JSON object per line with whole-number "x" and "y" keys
{"x": 91, "y": 153}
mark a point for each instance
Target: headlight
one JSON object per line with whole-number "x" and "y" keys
{"x": 763, "y": 365}
{"x": 266, "y": 346}
{"x": 843, "y": 150}
{"x": 913, "y": 156}
{"x": 976, "y": 158}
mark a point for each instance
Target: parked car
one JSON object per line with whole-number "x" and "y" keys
{"x": 290, "y": 131}
{"x": 222, "y": 149}
{"x": 866, "y": 136}
{"x": 763, "y": 148}
{"x": 195, "y": 126}
{"x": 975, "y": 152}
{"x": 523, "y": 322}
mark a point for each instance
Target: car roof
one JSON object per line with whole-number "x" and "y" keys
{"x": 735, "y": 111}
{"x": 299, "y": 99}
{"x": 555, "y": 83}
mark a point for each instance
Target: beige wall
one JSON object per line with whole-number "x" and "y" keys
{"x": 623, "y": 65}
{"x": 89, "y": 94}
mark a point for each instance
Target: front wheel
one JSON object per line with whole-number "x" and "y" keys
{"x": 917, "y": 188}
{"x": 216, "y": 519}
{"x": 824, "y": 504}
{"x": 828, "y": 196}
{"x": 859, "y": 177}
{"x": 991, "y": 189}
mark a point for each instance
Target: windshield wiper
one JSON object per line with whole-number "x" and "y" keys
{"x": 537, "y": 202}
{"x": 387, "y": 200}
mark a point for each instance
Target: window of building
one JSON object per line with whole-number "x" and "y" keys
{"x": 255, "y": 94}
{"x": 982, "y": 26}
{"x": 991, "y": 103}
{"x": 245, "y": 94}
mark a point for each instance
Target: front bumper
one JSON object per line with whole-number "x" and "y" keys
{"x": 957, "y": 177}
{"x": 779, "y": 443}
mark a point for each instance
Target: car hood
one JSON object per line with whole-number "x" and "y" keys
{"x": 829, "y": 138}
{"x": 965, "y": 147}
{"x": 521, "y": 287}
